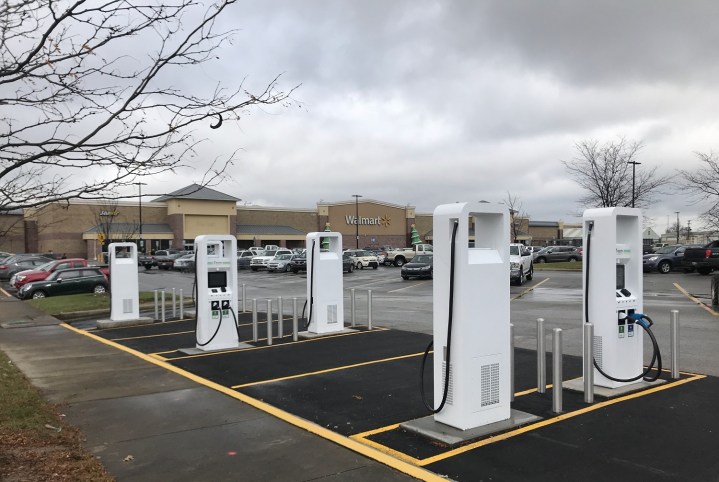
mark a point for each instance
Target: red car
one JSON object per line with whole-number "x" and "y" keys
{"x": 42, "y": 272}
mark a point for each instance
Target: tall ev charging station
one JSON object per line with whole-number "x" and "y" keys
{"x": 471, "y": 325}
{"x": 325, "y": 296}
{"x": 614, "y": 296}
{"x": 216, "y": 281}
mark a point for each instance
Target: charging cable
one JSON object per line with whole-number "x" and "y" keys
{"x": 445, "y": 390}
{"x": 312, "y": 285}
{"x": 637, "y": 318}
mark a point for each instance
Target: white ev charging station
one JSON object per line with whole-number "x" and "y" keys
{"x": 614, "y": 296}
{"x": 325, "y": 295}
{"x": 216, "y": 278}
{"x": 124, "y": 284}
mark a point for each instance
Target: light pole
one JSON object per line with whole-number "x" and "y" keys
{"x": 142, "y": 244}
{"x": 357, "y": 220}
{"x": 634, "y": 173}
{"x": 677, "y": 213}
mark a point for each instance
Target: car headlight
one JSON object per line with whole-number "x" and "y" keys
{"x": 653, "y": 258}
{"x": 514, "y": 265}
{"x": 20, "y": 277}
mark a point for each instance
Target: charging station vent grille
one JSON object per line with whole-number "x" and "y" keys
{"x": 598, "y": 350}
{"x": 331, "y": 314}
{"x": 490, "y": 384}
{"x": 450, "y": 388}
{"x": 127, "y": 305}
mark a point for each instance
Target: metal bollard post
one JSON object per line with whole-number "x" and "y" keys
{"x": 162, "y": 306}
{"x": 352, "y": 306}
{"x": 557, "y": 374}
{"x": 369, "y": 309}
{"x": 674, "y": 342}
{"x": 294, "y": 319}
{"x": 182, "y": 305}
{"x": 254, "y": 319}
{"x": 280, "y": 316}
{"x": 511, "y": 362}
{"x": 588, "y": 366}
{"x": 157, "y": 308}
{"x": 541, "y": 358}
{"x": 269, "y": 322}
{"x": 174, "y": 303}
{"x": 244, "y": 298}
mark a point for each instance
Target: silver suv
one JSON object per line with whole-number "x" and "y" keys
{"x": 558, "y": 253}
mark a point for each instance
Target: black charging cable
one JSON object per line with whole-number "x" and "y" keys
{"x": 312, "y": 286}
{"x": 637, "y": 319}
{"x": 445, "y": 390}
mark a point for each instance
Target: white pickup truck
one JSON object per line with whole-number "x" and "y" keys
{"x": 521, "y": 267}
{"x": 399, "y": 257}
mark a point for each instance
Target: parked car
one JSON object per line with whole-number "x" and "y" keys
{"x": 363, "y": 259}
{"x": 43, "y": 271}
{"x": 299, "y": 263}
{"x": 667, "y": 258}
{"x": 244, "y": 258}
{"x": 168, "y": 261}
{"x": 66, "y": 282}
{"x": 261, "y": 261}
{"x": 281, "y": 262}
{"x": 421, "y": 266}
{"x": 185, "y": 263}
{"x": 552, "y": 254}
{"x": 704, "y": 259}
{"x": 347, "y": 264}
{"x": 521, "y": 265}
{"x": 17, "y": 263}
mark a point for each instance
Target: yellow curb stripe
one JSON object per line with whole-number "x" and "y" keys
{"x": 695, "y": 300}
{"x": 363, "y": 449}
{"x": 550, "y": 421}
{"x": 369, "y": 433}
{"x": 387, "y": 450}
{"x": 328, "y": 370}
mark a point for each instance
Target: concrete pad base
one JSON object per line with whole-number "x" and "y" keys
{"x": 577, "y": 385}
{"x": 197, "y": 351}
{"x": 143, "y": 320}
{"x": 308, "y": 335}
{"x": 428, "y": 427}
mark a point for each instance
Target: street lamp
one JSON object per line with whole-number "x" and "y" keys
{"x": 634, "y": 172}
{"x": 139, "y": 186}
{"x": 357, "y": 220}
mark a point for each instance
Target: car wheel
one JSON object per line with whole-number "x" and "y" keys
{"x": 358, "y": 266}
{"x": 520, "y": 281}
{"x": 254, "y": 269}
{"x": 295, "y": 271}
{"x": 540, "y": 260}
{"x": 352, "y": 268}
{"x": 375, "y": 266}
{"x": 530, "y": 275}
{"x": 405, "y": 277}
{"x": 399, "y": 262}
{"x": 572, "y": 260}
{"x": 38, "y": 295}
{"x": 664, "y": 267}
{"x": 99, "y": 289}
{"x": 704, "y": 271}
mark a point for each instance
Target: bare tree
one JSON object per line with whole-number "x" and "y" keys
{"x": 605, "y": 173}
{"x": 517, "y": 215}
{"x": 87, "y": 101}
{"x": 703, "y": 184}
{"x": 112, "y": 224}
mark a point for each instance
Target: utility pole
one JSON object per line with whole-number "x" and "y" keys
{"x": 142, "y": 243}
{"x": 634, "y": 175}
{"x": 677, "y": 213}
{"x": 357, "y": 219}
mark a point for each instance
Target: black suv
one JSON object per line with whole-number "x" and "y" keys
{"x": 299, "y": 263}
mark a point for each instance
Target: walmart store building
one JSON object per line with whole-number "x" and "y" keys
{"x": 81, "y": 228}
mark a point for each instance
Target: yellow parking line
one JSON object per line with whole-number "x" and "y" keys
{"x": 408, "y": 287}
{"x": 695, "y": 300}
{"x": 328, "y": 370}
{"x": 531, "y": 288}
{"x": 151, "y": 336}
{"x": 358, "y": 447}
{"x": 550, "y": 421}
{"x": 5, "y": 293}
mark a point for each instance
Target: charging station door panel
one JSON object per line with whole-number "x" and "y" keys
{"x": 216, "y": 269}
{"x": 325, "y": 289}
{"x": 479, "y": 366}
{"x": 613, "y": 288}
{"x": 124, "y": 282}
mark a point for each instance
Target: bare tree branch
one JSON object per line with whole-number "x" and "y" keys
{"x": 703, "y": 184}
{"x": 87, "y": 104}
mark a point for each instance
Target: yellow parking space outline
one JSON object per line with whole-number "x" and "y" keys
{"x": 695, "y": 300}
{"x": 530, "y": 289}
{"x": 358, "y": 447}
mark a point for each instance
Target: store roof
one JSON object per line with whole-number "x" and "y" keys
{"x": 267, "y": 229}
{"x": 195, "y": 191}
{"x": 544, "y": 224}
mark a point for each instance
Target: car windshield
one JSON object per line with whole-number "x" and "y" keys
{"x": 422, "y": 258}
{"x": 268, "y": 253}
{"x": 284, "y": 256}
{"x": 46, "y": 266}
{"x": 666, "y": 250}
{"x": 514, "y": 250}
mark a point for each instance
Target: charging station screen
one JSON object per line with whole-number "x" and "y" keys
{"x": 216, "y": 279}
{"x": 620, "y": 277}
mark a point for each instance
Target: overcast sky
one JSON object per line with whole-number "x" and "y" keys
{"x": 430, "y": 102}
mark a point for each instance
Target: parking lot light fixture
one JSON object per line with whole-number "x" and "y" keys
{"x": 357, "y": 220}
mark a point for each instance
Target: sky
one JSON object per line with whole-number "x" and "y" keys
{"x": 430, "y": 102}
